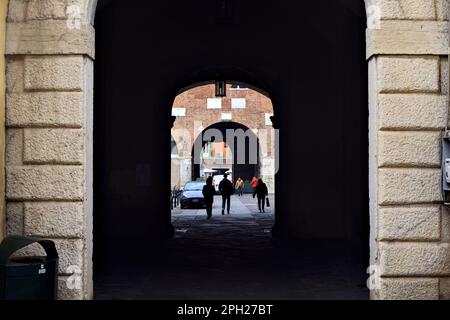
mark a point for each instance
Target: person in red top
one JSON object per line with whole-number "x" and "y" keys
{"x": 262, "y": 192}
{"x": 254, "y": 183}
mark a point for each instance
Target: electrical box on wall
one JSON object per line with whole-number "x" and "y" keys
{"x": 446, "y": 168}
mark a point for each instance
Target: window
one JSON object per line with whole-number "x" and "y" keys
{"x": 207, "y": 152}
{"x": 215, "y": 103}
{"x": 227, "y": 117}
{"x": 238, "y": 103}
{"x": 174, "y": 148}
{"x": 238, "y": 86}
{"x": 179, "y": 112}
{"x": 268, "y": 121}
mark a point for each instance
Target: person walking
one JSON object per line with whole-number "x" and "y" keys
{"x": 226, "y": 190}
{"x": 208, "y": 194}
{"x": 254, "y": 184}
{"x": 261, "y": 192}
{"x": 239, "y": 187}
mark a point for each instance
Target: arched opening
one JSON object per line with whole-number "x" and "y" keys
{"x": 245, "y": 114}
{"x": 232, "y": 134}
{"x": 318, "y": 87}
{"x": 223, "y": 154}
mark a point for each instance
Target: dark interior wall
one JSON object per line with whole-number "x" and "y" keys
{"x": 309, "y": 56}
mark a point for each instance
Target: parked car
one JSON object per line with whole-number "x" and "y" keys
{"x": 192, "y": 196}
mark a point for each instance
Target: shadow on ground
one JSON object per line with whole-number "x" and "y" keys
{"x": 234, "y": 257}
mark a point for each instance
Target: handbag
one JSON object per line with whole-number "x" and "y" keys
{"x": 267, "y": 203}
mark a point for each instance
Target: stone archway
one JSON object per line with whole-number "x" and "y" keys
{"x": 192, "y": 119}
{"x": 248, "y": 167}
{"x": 49, "y": 57}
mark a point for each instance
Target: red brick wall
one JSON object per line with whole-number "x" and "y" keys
{"x": 195, "y": 103}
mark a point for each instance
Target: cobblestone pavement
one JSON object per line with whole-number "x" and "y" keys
{"x": 235, "y": 257}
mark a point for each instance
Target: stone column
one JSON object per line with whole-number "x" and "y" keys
{"x": 50, "y": 52}
{"x": 408, "y": 65}
{"x": 3, "y": 12}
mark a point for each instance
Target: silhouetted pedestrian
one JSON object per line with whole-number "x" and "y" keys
{"x": 208, "y": 194}
{"x": 261, "y": 192}
{"x": 226, "y": 189}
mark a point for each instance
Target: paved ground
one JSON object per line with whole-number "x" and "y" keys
{"x": 235, "y": 257}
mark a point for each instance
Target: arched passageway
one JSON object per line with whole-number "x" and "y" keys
{"x": 310, "y": 58}
{"x": 238, "y": 138}
{"x": 245, "y": 111}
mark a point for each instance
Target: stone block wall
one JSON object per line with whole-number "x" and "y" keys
{"x": 408, "y": 115}
{"x": 49, "y": 80}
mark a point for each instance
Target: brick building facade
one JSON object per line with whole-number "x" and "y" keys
{"x": 198, "y": 108}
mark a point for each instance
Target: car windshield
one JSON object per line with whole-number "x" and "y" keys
{"x": 194, "y": 187}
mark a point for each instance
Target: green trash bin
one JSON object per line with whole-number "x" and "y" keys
{"x": 28, "y": 278}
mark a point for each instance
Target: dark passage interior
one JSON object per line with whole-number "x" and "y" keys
{"x": 310, "y": 58}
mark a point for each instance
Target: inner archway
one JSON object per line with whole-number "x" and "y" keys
{"x": 244, "y": 166}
